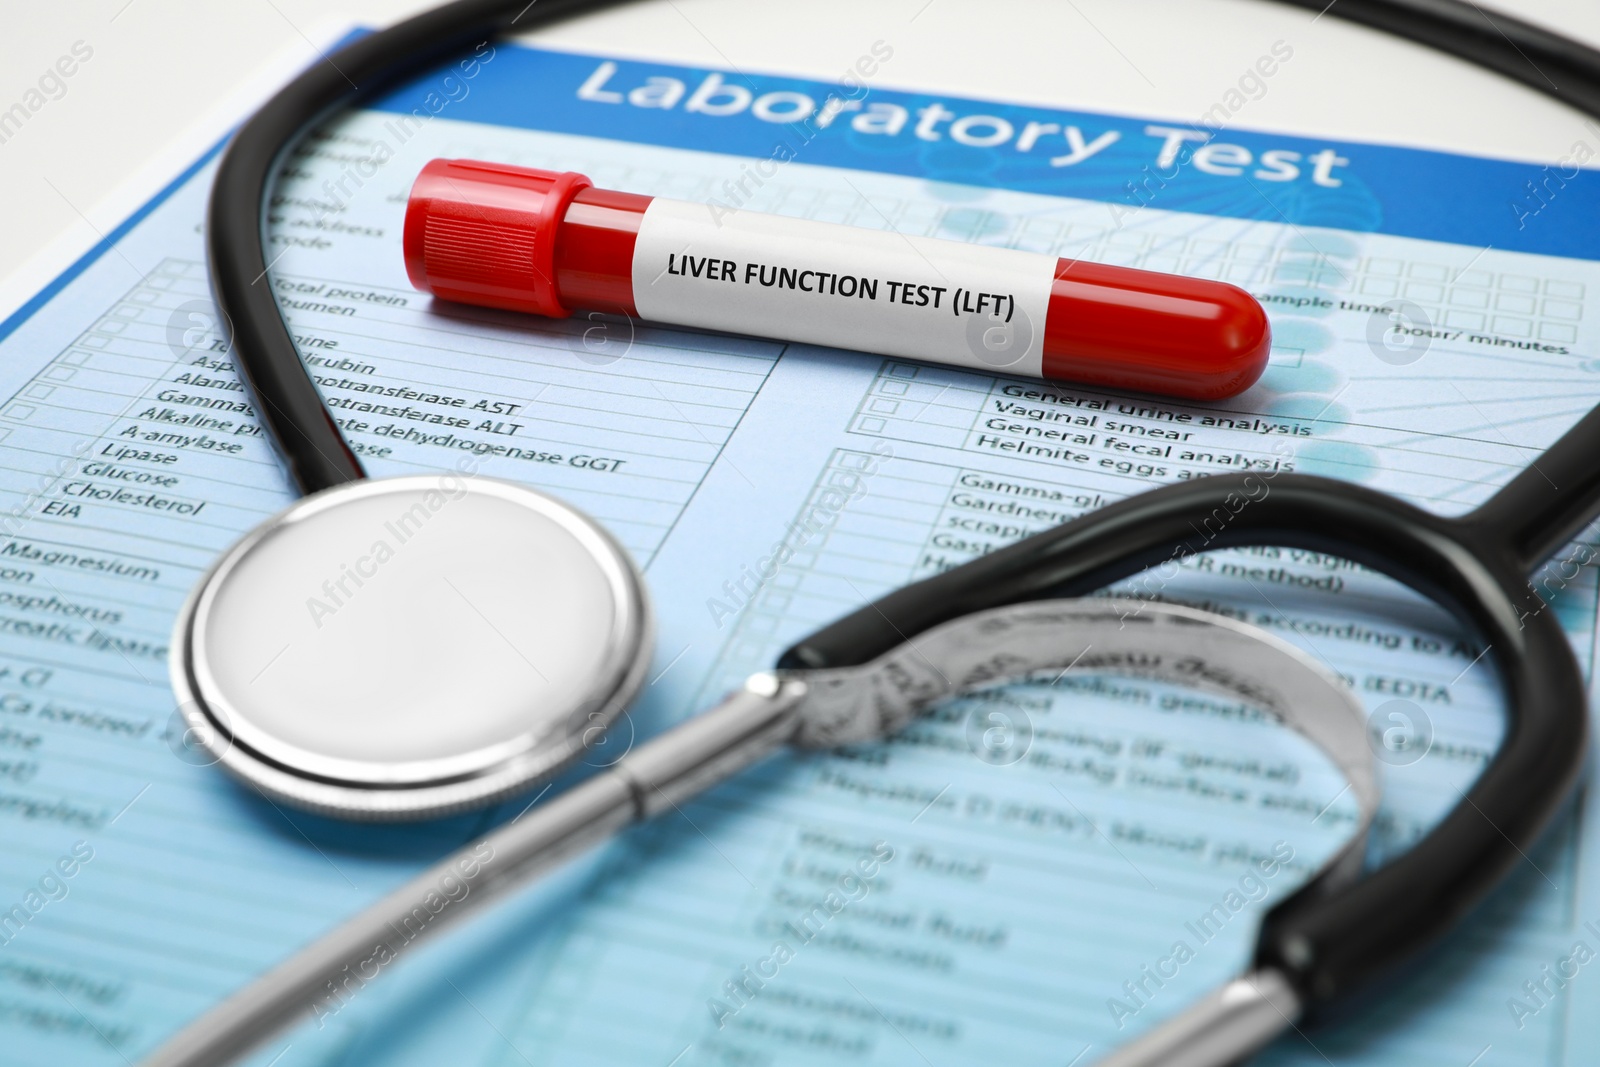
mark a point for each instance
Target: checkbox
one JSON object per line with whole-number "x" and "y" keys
{"x": 902, "y": 370}
{"x": 870, "y": 425}
{"x": 110, "y": 326}
{"x": 60, "y": 374}
{"x": 20, "y": 411}
{"x": 40, "y": 392}
{"x": 76, "y": 357}
{"x": 95, "y": 342}
{"x": 823, "y": 520}
{"x": 894, "y": 388}
{"x": 885, "y": 407}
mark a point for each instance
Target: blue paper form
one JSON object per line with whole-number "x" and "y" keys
{"x": 1056, "y": 867}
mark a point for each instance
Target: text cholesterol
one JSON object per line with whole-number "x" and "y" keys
{"x": 962, "y": 301}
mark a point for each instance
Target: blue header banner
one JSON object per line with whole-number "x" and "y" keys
{"x": 1207, "y": 166}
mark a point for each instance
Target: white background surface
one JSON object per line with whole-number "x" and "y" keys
{"x": 160, "y": 66}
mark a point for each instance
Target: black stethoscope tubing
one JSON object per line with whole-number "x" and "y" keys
{"x": 1328, "y": 942}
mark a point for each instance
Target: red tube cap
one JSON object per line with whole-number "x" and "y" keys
{"x": 485, "y": 233}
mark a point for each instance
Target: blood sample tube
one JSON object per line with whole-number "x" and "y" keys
{"x": 551, "y": 243}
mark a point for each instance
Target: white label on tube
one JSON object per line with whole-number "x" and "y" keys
{"x": 843, "y": 286}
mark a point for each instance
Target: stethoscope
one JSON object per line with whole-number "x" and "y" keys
{"x": 315, "y": 656}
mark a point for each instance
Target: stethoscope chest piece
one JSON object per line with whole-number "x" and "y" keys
{"x": 408, "y": 647}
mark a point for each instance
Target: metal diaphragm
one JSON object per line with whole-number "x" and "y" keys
{"x": 408, "y": 647}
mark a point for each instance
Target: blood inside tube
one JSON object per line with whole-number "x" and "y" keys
{"x": 1157, "y": 333}
{"x": 573, "y": 247}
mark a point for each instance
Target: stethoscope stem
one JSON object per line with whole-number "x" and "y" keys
{"x": 317, "y": 982}
{"x": 1223, "y": 1027}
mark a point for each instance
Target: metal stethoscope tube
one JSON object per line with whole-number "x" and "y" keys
{"x": 819, "y": 709}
